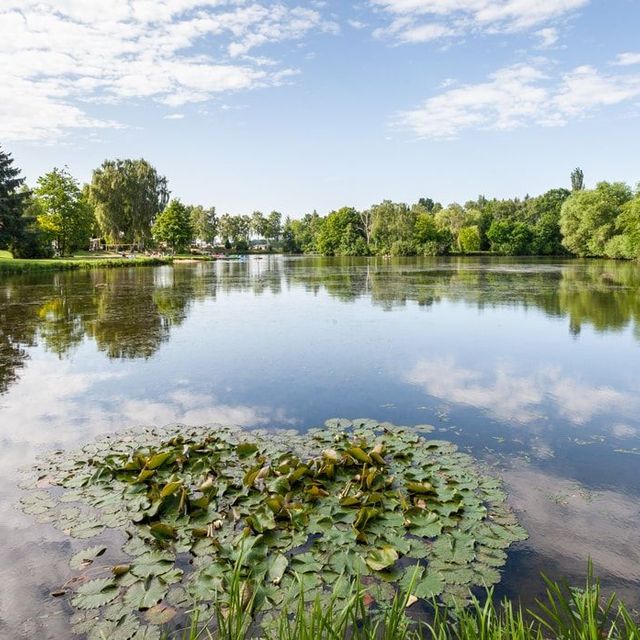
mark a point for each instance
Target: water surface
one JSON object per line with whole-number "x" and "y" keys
{"x": 532, "y": 366}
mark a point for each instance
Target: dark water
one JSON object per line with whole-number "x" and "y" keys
{"x": 533, "y": 366}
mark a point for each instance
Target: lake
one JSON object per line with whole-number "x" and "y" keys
{"x": 533, "y": 366}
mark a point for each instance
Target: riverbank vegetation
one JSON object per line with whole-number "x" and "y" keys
{"x": 563, "y": 613}
{"x": 14, "y": 266}
{"x": 128, "y": 205}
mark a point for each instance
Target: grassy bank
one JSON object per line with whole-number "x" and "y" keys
{"x": 565, "y": 613}
{"x": 12, "y": 266}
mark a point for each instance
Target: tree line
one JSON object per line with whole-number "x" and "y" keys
{"x": 128, "y": 203}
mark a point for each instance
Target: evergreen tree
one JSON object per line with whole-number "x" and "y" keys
{"x": 12, "y": 202}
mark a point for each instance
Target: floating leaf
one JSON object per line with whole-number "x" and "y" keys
{"x": 87, "y": 529}
{"x": 147, "y": 633}
{"x": 160, "y": 614}
{"x": 311, "y": 510}
{"x": 277, "y": 568}
{"x": 95, "y": 594}
{"x": 380, "y": 559}
{"x": 145, "y": 594}
{"x": 85, "y": 557}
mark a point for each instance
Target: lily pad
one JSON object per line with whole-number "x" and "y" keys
{"x": 95, "y": 594}
{"x": 286, "y": 510}
{"x": 85, "y": 557}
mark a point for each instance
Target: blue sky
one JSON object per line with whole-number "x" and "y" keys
{"x": 297, "y": 105}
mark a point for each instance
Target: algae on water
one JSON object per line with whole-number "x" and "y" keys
{"x": 353, "y": 499}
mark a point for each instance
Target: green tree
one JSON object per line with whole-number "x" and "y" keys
{"x": 393, "y": 224}
{"x": 203, "y": 223}
{"x": 626, "y": 244}
{"x": 577, "y": 179}
{"x": 63, "y": 213}
{"x": 259, "y": 224}
{"x": 429, "y": 238}
{"x": 510, "y": 238}
{"x": 289, "y": 244}
{"x": 341, "y": 234}
{"x": 545, "y": 218}
{"x": 469, "y": 239}
{"x": 588, "y": 217}
{"x": 127, "y": 196}
{"x": 173, "y": 226}
{"x": 12, "y": 202}
{"x": 273, "y": 227}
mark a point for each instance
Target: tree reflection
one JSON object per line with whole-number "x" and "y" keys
{"x": 18, "y": 328}
{"x": 130, "y": 313}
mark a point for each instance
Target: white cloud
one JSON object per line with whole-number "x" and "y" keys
{"x": 423, "y": 20}
{"x": 58, "y": 56}
{"x": 627, "y": 58}
{"x": 548, "y": 37}
{"x": 517, "y": 96}
{"x": 174, "y": 116}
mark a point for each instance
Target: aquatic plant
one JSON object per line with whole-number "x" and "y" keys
{"x": 280, "y": 513}
{"x": 563, "y": 613}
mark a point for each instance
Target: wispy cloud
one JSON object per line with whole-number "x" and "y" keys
{"x": 627, "y": 58}
{"x": 548, "y": 37}
{"x": 424, "y": 20}
{"x": 57, "y": 57}
{"x": 516, "y": 96}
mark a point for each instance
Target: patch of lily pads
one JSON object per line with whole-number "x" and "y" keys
{"x": 288, "y": 511}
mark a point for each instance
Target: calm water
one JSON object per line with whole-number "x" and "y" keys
{"x": 533, "y": 366}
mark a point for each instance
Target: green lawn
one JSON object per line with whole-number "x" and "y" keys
{"x": 68, "y": 264}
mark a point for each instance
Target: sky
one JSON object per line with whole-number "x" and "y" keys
{"x": 299, "y": 105}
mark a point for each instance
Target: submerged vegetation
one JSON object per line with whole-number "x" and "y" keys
{"x": 220, "y": 517}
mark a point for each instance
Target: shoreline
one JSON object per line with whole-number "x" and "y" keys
{"x": 18, "y": 265}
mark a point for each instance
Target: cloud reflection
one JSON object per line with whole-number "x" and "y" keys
{"x": 510, "y": 396}
{"x": 568, "y": 524}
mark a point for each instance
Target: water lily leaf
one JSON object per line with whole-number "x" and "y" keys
{"x": 277, "y": 568}
{"x": 83, "y": 621}
{"x": 160, "y": 614}
{"x": 312, "y": 510}
{"x": 145, "y": 594}
{"x": 380, "y": 559}
{"x": 95, "y": 594}
{"x": 147, "y": 633}
{"x": 170, "y": 488}
{"x": 163, "y": 531}
{"x": 122, "y": 629}
{"x": 88, "y": 529}
{"x": 429, "y": 586}
{"x": 158, "y": 459}
{"x": 152, "y": 563}
{"x": 135, "y": 547}
{"x": 358, "y": 454}
{"x": 85, "y": 557}
{"x": 246, "y": 449}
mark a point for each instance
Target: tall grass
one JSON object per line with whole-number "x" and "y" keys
{"x": 565, "y": 613}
